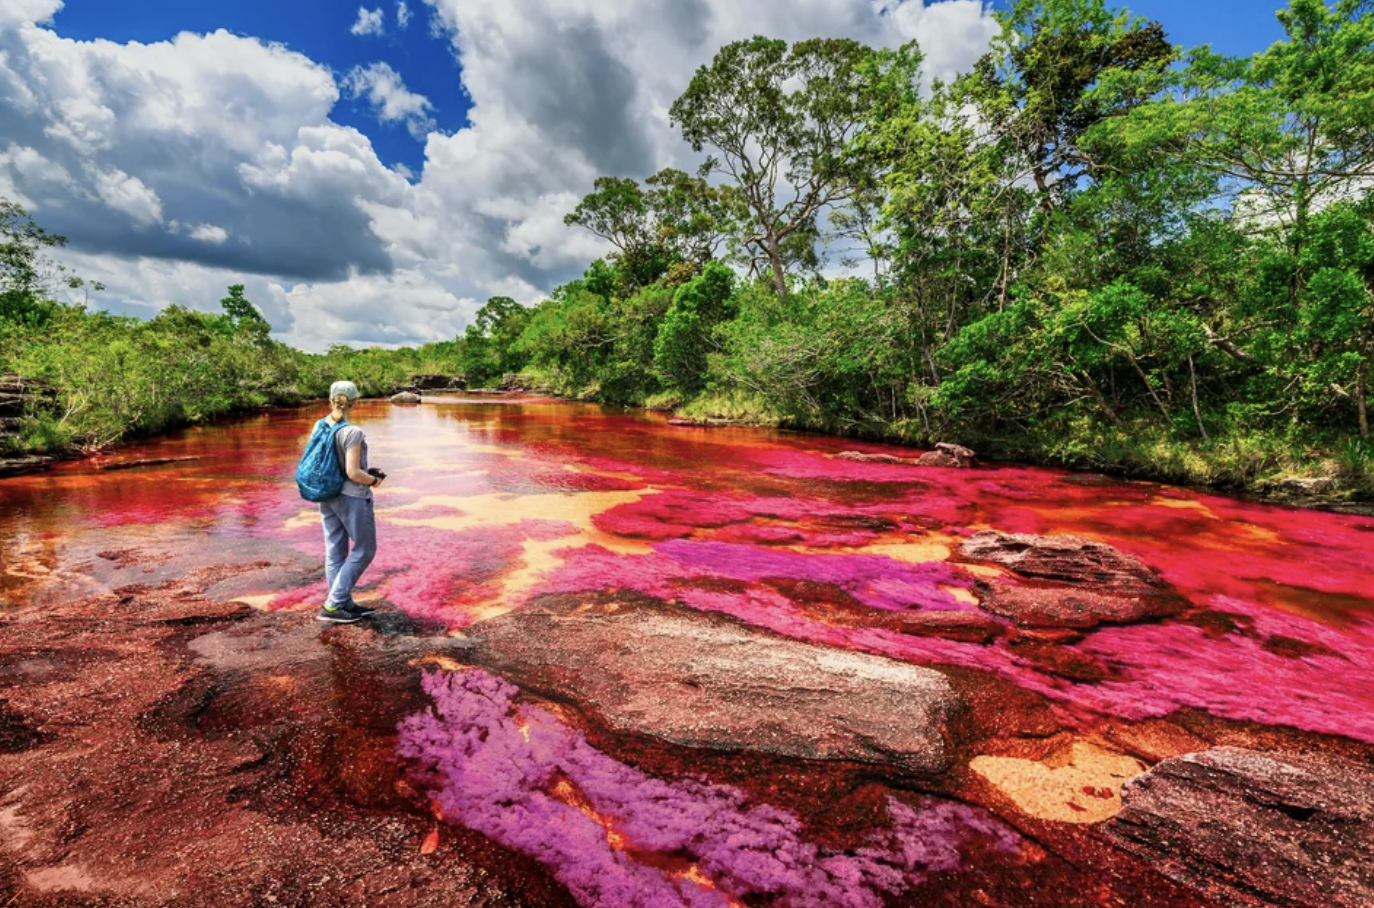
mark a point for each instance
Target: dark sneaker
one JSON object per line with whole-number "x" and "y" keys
{"x": 344, "y": 614}
{"x": 361, "y": 611}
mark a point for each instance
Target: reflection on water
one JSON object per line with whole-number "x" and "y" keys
{"x": 495, "y": 505}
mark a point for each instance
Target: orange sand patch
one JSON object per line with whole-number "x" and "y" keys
{"x": 1079, "y": 784}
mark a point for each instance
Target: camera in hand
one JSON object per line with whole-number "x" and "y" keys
{"x": 373, "y": 471}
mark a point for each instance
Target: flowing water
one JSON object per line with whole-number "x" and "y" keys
{"x": 496, "y": 508}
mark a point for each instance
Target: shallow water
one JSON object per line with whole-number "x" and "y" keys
{"x": 493, "y": 507}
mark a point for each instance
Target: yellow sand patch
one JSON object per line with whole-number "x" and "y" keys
{"x": 983, "y": 570}
{"x": 961, "y": 594}
{"x": 494, "y": 509}
{"x": 539, "y": 555}
{"x": 444, "y": 662}
{"x": 1080, "y": 784}
{"x": 922, "y": 552}
{"x": 259, "y": 602}
{"x": 1182, "y": 504}
{"x": 303, "y": 518}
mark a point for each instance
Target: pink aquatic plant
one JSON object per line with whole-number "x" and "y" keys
{"x": 619, "y": 838}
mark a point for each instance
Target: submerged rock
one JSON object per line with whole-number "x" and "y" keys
{"x": 1256, "y": 828}
{"x": 405, "y": 397}
{"x": 702, "y": 681}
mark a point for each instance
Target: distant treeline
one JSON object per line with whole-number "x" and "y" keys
{"x": 1095, "y": 248}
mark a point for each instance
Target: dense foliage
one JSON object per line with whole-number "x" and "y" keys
{"x": 1094, "y": 248}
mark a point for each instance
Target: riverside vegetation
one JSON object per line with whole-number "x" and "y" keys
{"x": 1095, "y": 249}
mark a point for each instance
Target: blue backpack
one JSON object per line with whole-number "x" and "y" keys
{"x": 320, "y": 474}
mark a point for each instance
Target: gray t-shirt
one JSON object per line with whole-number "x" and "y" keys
{"x": 347, "y": 437}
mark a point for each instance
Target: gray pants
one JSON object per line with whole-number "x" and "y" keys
{"x": 347, "y": 519}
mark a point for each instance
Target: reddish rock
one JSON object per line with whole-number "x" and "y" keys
{"x": 1072, "y": 583}
{"x": 966, "y": 627}
{"x": 1060, "y": 660}
{"x": 701, "y": 681}
{"x": 861, "y": 457}
{"x": 1065, "y": 559}
{"x": 1251, "y": 828}
{"x": 948, "y": 455}
{"x": 161, "y": 749}
{"x": 1067, "y": 607}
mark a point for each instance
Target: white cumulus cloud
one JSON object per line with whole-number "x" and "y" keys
{"x": 369, "y": 22}
{"x": 181, "y": 166}
{"x": 402, "y": 13}
{"x": 391, "y": 101}
{"x": 209, "y": 233}
{"x": 128, "y": 195}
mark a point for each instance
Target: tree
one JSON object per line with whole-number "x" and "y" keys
{"x": 1287, "y": 130}
{"x": 685, "y": 336}
{"x": 244, "y": 316}
{"x": 27, "y": 274}
{"x": 489, "y": 349}
{"x": 1055, "y": 71}
{"x": 673, "y": 218}
{"x": 781, "y": 120}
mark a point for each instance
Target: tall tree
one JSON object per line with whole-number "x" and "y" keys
{"x": 1054, "y": 72}
{"x": 781, "y": 120}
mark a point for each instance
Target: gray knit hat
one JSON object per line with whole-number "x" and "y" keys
{"x": 346, "y": 388}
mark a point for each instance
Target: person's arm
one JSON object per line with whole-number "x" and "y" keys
{"x": 353, "y": 467}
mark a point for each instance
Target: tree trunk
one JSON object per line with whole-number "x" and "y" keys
{"x": 1197, "y": 411}
{"x": 1101, "y": 401}
{"x": 775, "y": 259}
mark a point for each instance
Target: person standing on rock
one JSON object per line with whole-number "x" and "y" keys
{"x": 348, "y": 517}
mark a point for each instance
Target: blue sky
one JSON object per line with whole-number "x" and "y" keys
{"x": 320, "y": 29}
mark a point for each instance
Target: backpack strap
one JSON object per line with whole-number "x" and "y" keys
{"x": 333, "y": 434}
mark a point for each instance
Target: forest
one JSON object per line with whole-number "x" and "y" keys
{"x": 1096, "y": 249}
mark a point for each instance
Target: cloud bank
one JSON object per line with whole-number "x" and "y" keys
{"x": 178, "y": 167}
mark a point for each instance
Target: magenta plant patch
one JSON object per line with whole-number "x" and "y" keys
{"x": 618, "y": 838}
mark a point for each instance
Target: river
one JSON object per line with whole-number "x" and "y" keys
{"x": 654, "y": 665}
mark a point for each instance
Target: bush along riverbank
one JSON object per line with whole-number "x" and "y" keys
{"x": 1096, "y": 249}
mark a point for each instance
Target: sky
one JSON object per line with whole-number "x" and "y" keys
{"x": 373, "y": 173}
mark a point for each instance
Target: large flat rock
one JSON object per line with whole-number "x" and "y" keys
{"x": 1254, "y": 828}
{"x": 701, "y": 681}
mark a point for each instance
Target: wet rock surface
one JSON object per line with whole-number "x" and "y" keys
{"x": 1067, "y": 606}
{"x": 949, "y": 455}
{"x": 944, "y": 455}
{"x": 160, "y": 748}
{"x": 1064, "y": 559}
{"x": 1256, "y": 828}
{"x": 405, "y": 397}
{"x": 1067, "y": 582}
{"x": 701, "y": 681}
